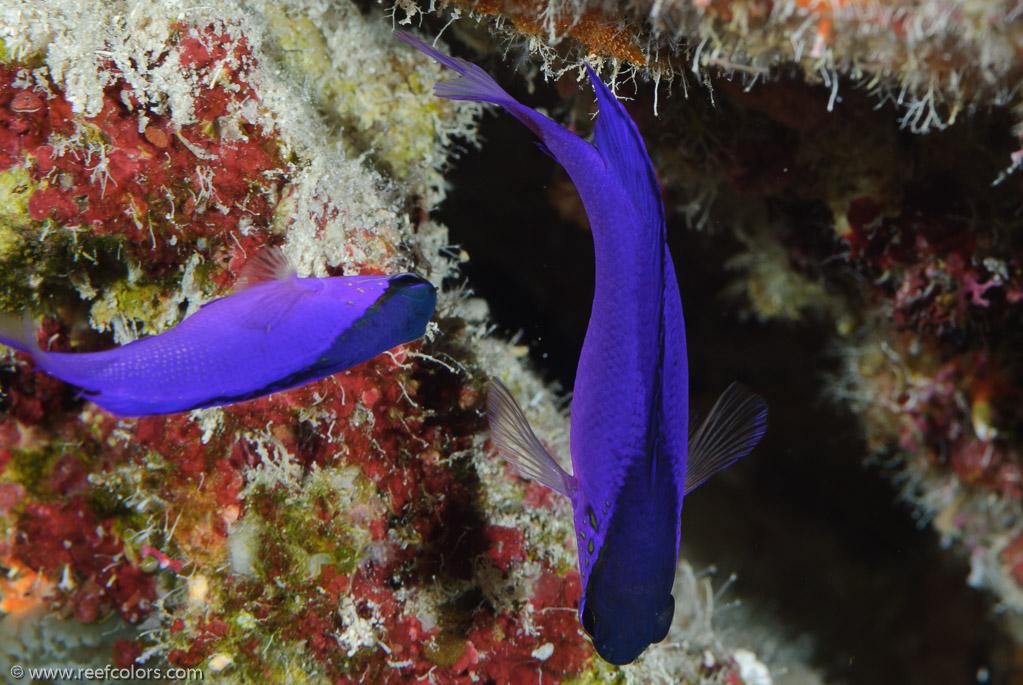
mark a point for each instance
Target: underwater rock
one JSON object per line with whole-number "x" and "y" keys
{"x": 355, "y": 529}
{"x": 934, "y": 59}
{"x": 869, "y": 192}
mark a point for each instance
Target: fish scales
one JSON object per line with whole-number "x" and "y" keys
{"x": 278, "y": 332}
{"x": 631, "y": 458}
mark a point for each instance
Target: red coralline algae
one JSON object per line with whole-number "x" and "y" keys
{"x": 929, "y": 269}
{"x": 163, "y": 560}
{"x": 930, "y": 405}
{"x": 423, "y": 498}
{"x": 132, "y": 173}
{"x": 505, "y": 546}
{"x": 23, "y": 128}
{"x": 339, "y": 524}
{"x": 506, "y": 651}
{"x": 158, "y": 187}
{"x": 125, "y": 652}
{"x": 1012, "y": 557}
{"x": 52, "y": 537}
{"x": 925, "y": 257}
{"x": 372, "y": 417}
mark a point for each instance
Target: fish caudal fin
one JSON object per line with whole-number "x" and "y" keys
{"x": 19, "y": 334}
{"x": 732, "y": 429}
{"x": 474, "y": 83}
{"x": 518, "y": 444}
{"x": 479, "y": 86}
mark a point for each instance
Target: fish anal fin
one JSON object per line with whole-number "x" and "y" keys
{"x": 732, "y": 429}
{"x": 269, "y": 264}
{"x": 126, "y": 407}
{"x": 519, "y": 446}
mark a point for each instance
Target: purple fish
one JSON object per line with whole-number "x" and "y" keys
{"x": 277, "y": 331}
{"x": 630, "y": 409}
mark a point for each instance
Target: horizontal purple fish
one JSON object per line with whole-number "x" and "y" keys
{"x": 630, "y": 409}
{"x": 277, "y": 331}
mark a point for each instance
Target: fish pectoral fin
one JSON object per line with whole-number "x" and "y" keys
{"x": 269, "y": 264}
{"x": 272, "y": 285}
{"x": 518, "y": 444}
{"x": 271, "y": 304}
{"x": 732, "y": 429}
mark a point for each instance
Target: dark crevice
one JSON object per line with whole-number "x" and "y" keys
{"x": 819, "y": 542}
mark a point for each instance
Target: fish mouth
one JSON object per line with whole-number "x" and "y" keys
{"x": 617, "y": 657}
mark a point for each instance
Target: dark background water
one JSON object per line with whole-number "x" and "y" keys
{"x": 818, "y": 540}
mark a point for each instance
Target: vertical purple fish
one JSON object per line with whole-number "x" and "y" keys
{"x": 630, "y": 408}
{"x": 277, "y": 331}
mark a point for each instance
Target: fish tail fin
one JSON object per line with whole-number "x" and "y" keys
{"x": 473, "y": 84}
{"x": 478, "y": 86}
{"x": 518, "y": 444}
{"x": 733, "y": 428}
{"x": 19, "y": 334}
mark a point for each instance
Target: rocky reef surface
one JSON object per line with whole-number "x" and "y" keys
{"x": 855, "y": 166}
{"x": 357, "y": 529}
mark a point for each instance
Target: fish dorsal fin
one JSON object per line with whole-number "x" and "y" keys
{"x": 518, "y": 444}
{"x": 618, "y": 141}
{"x": 732, "y": 429}
{"x": 269, "y": 264}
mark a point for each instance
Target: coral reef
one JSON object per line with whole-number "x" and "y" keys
{"x": 908, "y": 245}
{"x": 357, "y": 529}
{"x": 932, "y": 58}
{"x": 864, "y": 161}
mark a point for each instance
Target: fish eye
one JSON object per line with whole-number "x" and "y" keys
{"x": 589, "y": 621}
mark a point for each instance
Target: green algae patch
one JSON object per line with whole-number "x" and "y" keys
{"x": 45, "y": 470}
{"x": 44, "y": 265}
{"x": 31, "y": 469}
{"x": 298, "y": 539}
{"x": 16, "y": 187}
{"x": 445, "y": 649}
{"x": 378, "y": 98}
{"x": 144, "y": 305}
